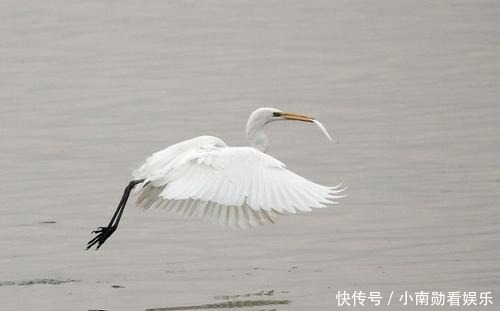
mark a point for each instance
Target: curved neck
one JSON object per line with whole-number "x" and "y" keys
{"x": 255, "y": 133}
{"x": 257, "y": 138}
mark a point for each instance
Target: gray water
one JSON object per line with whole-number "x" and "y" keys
{"x": 410, "y": 90}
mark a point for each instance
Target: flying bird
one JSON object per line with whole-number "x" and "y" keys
{"x": 238, "y": 187}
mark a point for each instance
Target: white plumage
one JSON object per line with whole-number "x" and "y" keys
{"x": 235, "y": 186}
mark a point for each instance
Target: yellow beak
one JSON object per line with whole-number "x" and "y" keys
{"x": 296, "y": 117}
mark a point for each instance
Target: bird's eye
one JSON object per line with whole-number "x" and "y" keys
{"x": 276, "y": 114}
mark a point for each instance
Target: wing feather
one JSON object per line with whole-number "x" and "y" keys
{"x": 236, "y": 186}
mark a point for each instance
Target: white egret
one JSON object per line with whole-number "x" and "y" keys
{"x": 234, "y": 186}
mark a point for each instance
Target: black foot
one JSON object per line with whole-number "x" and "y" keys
{"x": 103, "y": 233}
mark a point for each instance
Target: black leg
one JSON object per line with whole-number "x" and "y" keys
{"x": 103, "y": 233}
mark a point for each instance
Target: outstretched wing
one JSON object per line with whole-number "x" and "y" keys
{"x": 235, "y": 186}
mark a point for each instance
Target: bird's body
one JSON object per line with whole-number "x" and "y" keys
{"x": 235, "y": 186}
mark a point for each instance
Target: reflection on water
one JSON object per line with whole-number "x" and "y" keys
{"x": 261, "y": 293}
{"x": 37, "y": 281}
{"x": 232, "y": 304}
{"x": 236, "y": 301}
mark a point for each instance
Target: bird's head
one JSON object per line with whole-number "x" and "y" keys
{"x": 265, "y": 115}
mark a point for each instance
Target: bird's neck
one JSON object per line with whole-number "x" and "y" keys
{"x": 257, "y": 138}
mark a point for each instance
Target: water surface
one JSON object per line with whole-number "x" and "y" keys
{"x": 410, "y": 90}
